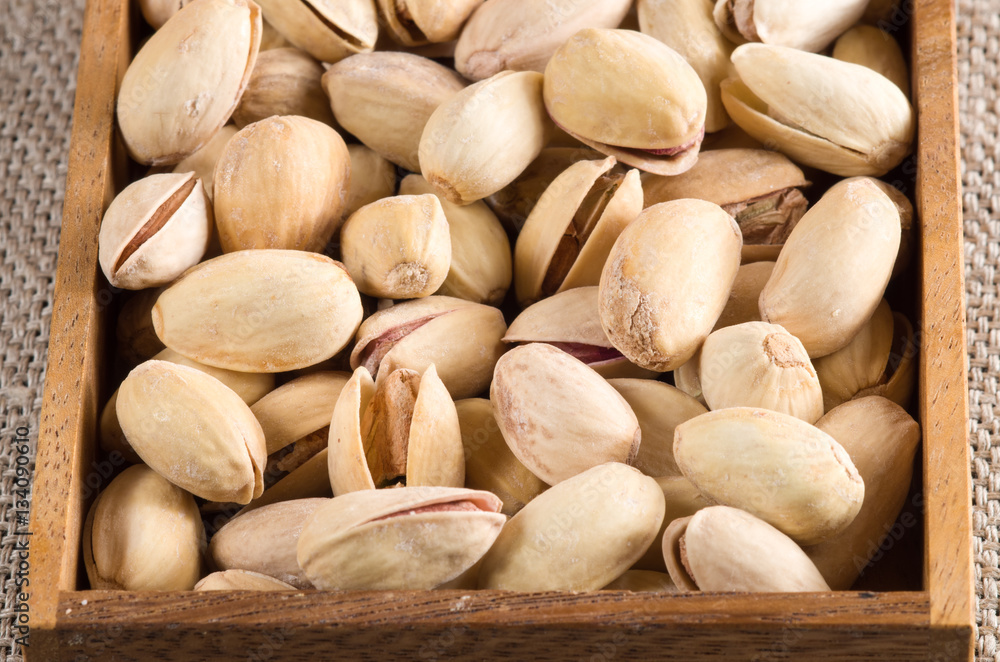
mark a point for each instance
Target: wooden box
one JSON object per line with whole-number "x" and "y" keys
{"x": 933, "y": 621}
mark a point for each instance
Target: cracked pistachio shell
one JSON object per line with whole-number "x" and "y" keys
{"x": 264, "y": 540}
{"x": 570, "y": 231}
{"x": 143, "y": 534}
{"x": 260, "y": 311}
{"x": 559, "y": 417}
{"x": 756, "y": 364}
{"x": 405, "y": 538}
{"x": 747, "y": 286}
{"x": 281, "y": 183}
{"x": 578, "y": 535}
{"x": 569, "y": 321}
{"x": 682, "y": 499}
{"x": 386, "y": 98}
{"x": 329, "y": 30}
{"x": 857, "y": 123}
{"x": 834, "y": 267}
{"x": 725, "y": 549}
{"x": 298, "y": 407}
{"x": 774, "y": 466}
{"x": 876, "y": 49}
{"x": 521, "y": 35}
{"x": 860, "y": 364}
{"x": 285, "y": 81}
{"x": 398, "y": 247}
{"x": 185, "y": 82}
{"x": 418, "y": 22}
{"x": 806, "y": 26}
{"x": 482, "y": 138}
{"x": 881, "y": 439}
{"x": 687, "y": 26}
{"x": 660, "y": 408}
{"x": 154, "y": 230}
{"x": 667, "y": 280}
{"x": 372, "y": 178}
{"x": 481, "y": 266}
{"x": 241, "y": 580}
{"x": 643, "y": 581}
{"x": 202, "y": 163}
{"x": 654, "y": 98}
{"x": 193, "y": 430}
{"x": 489, "y": 463}
{"x": 461, "y": 338}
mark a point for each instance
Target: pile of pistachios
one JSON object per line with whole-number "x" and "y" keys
{"x": 561, "y": 295}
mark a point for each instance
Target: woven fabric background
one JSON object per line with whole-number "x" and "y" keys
{"x": 39, "y": 50}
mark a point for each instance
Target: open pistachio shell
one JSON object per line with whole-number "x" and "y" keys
{"x": 682, "y": 499}
{"x": 285, "y": 81}
{"x": 806, "y": 26}
{"x": 307, "y": 481}
{"x": 372, "y": 178}
{"x": 745, "y": 293}
{"x": 202, "y": 162}
{"x": 185, "y": 82}
{"x": 298, "y": 407}
{"x": 417, "y": 22}
{"x": 329, "y": 30}
{"x": 859, "y": 365}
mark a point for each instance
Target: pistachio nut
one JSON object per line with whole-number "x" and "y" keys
{"x": 308, "y": 480}
{"x": 834, "y": 267}
{"x": 241, "y": 580}
{"x": 682, "y": 499}
{"x": 329, "y": 30}
{"x": 489, "y": 463}
{"x": 285, "y": 81}
{"x": 569, "y": 321}
{"x": 688, "y": 27}
{"x": 407, "y": 538}
{"x": 385, "y": 99}
{"x": 806, "y": 26}
{"x": 521, "y": 35}
{"x": 659, "y": 408}
{"x": 193, "y": 430}
{"x": 134, "y": 332}
{"x": 264, "y": 540}
{"x": 760, "y": 189}
{"x": 725, "y": 549}
{"x": 756, "y": 364}
{"x": 398, "y": 247}
{"x": 143, "y": 534}
{"x": 642, "y": 581}
{"x": 578, "y": 535}
{"x": 481, "y": 267}
{"x": 281, "y": 182}
{"x": 461, "y": 338}
{"x": 655, "y": 98}
{"x": 570, "y": 231}
{"x": 667, "y": 280}
{"x": 154, "y": 230}
{"x": 790, "y": 474}
{"x": 465, "y": 150}
{"x": 185, "y": 82}
{"x": 202, "y": 162}
{"x": 745, "y": 293}
{"x": 857, "y": 123}
{"x": 876, "y": 49}
{"x": 299, "y": 407}
{"x": 260, "y": 311}
{"x": 558, "y": 416}
{"x": 859, "y": 365}
{"x": 372, "y": 178}
{"x": 417, "y": 22}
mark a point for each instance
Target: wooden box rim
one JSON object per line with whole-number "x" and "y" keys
{"x": 933, "y": 624}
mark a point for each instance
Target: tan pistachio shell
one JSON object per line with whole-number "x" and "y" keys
{"x": 907, "y": 240}
{"x": 687, "y": 377}
{"x": 725, "y": 549}
{"x": 881, "y": 439}
{"x": 656, "y": 98}
{"x": 859, "y": 365}
{"x": 682, "y": 499}
{"x": 465, "y": 150}
{"x": 558, "y": 416}
{"x": 756, "y": 364}
{"x": 902, "y": 368}
{"x": 285, "y": 81}
{"x": 298, "y": 407}
{"x": 791, "y": 474}
{"x": 329, "y": 30}
{"x": 569, "y": 233}
{"x": 385, "y": 99}
{"x": 667, "y": 280}
{"x": 876, "y": 49}
{"x": 264, "y": 540}
{"x": 659, "y": 408}
{"x": 281, "y": 183}
{"x": 744, "y": 295}
{"x": 309, "y": 480}
{"x": 578, "y": 535}
{"x": 185, "y": 82}
{"x": 241, "y": 580}
{"x": 202, "y": 163}
{"x": 154, "y": 230}
{"x": 521, "y": 35}
{"x": 418, "y": 22}
{"x": 481, "y": 266}
{"x": 372, "y": 178}
{"x": 260, "y": 311}
{"x": 406, "y": 538}
{"x": 834, "y": 267}
{"x": 158, "y": 12}
{"x": 806, "y": 26}
{"x": 270, "y": 38}
{"x": 489, "y": 463}
{"x": 143, "y": 534}
{"x": 642, "y": 581}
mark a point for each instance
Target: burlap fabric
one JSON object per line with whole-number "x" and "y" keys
{"x": 38, "y": 60}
